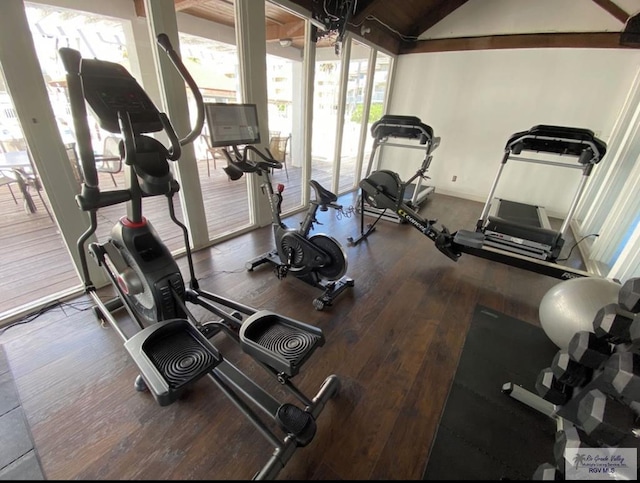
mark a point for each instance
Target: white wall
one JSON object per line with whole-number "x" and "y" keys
{"x": 476, "y": 100}
{"x": 496, "y": 17}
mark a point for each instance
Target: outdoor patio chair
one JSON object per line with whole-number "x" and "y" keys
{"x": 278, "y": 149}
{"x": 7, "y": 180}
{"x": 110, "y": 161}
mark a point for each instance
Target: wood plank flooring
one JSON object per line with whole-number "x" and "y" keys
{"x": 394, "y": 340}
{"x": 35, "y": 264}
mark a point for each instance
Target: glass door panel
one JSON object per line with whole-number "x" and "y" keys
{"x": 326, "y": 93}
{"x": 353, "y": 115}
{"x": 34, "y": 262}
{"x": 101, "y": 37}
{"x": 282, "y": 76}
{"x": 377, "y": 106}
{"x": 285, "y": 44}
{"x": 214, "y": 67}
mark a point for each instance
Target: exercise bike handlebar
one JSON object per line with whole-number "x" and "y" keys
{"x": 241, "y": 161}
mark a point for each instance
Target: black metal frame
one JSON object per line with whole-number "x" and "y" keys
{"x": 319, "y": 259}
{"x": 409, "y": 128}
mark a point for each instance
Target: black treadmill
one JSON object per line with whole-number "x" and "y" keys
{"x": 523, "y": 228}
{"x": 417, "y": 135}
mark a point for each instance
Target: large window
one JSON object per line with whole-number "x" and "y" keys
{"x": 100, "y": 37}
{"x": 610, "y": 207}
{"x": 355, "y": 114}
{"x": 214, "y": 67}
{"x": 212, "y": 57}
{"x": 285, "y": 108}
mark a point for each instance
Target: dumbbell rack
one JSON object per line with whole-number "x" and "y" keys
{"x": 592, "y": 389}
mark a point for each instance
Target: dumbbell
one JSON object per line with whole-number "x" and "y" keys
{"x": 629, "y": 295}
{"x": 547, "y": 471}
{"x": 568, "y": 371}
{"x": 616, "y": 324}
{"x": 588, "y": 349}
{"x": 570, "y": 438}
{"x": 605, "y": 419}
{"x": 550, "y": 389}
{"x": 621, "y": 376}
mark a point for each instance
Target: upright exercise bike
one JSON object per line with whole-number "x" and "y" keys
{"x": 170, "y": 347}
{"x": 319, "y": 259}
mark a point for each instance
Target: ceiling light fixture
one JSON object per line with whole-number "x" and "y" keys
{"x": 285, "y": 42}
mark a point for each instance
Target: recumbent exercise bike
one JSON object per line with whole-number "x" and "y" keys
{"x": 170, "y": 347}
{"x": 319, "y": 259}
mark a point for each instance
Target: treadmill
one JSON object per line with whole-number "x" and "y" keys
{"x": 416, "y": 135}
{"x": 523, "y": 228}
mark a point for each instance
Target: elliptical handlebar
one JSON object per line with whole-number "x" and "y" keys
{"x": 165, "y": 43}
{"x": 71, "y": 60}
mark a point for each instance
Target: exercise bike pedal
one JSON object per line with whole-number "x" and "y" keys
{"x": 298, "y": 422}
{"x": 170, "y": 356}
{"x": 280, "y": 342}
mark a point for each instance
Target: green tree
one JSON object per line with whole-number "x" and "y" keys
{"x": 375, "y": 113}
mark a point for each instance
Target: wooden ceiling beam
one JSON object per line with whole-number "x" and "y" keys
{"x": 592, "y": 40}
{"x": 180, "y": 5}
{"x": 613, "y": 9}
{"x": 138, "y": 5}
{"x": 290, "y": 30}
{"x": 437, "y": 13}
{"x": 184, "y": 4}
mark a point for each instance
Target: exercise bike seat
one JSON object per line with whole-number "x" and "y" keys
{"x": 323, "y": 195}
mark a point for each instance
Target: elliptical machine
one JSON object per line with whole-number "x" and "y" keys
{"x": 170, "y": 347}
{"x": 319, "y": 259}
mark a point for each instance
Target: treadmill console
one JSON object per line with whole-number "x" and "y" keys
{"x": 408, "y": 127}
{"x": 559, "y": 140}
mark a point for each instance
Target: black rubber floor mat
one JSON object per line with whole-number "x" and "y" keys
{"x": 483, "y": 433}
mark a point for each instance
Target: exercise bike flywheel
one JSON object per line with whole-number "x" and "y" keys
{"x": 337, "y": 267}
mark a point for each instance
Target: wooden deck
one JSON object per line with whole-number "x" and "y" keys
{"x": 394, "y": 341}
{"x": 35, "y": 265}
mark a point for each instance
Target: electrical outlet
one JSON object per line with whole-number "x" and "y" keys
{"x": 454, "y": 179}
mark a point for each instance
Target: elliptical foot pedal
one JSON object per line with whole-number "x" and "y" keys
{"x": 298, "y": 422}
{"x": 171, "y": 355}
{"x": 278, "y": 341}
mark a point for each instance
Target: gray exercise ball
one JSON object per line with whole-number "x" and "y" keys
{"x": 571, "y": 306}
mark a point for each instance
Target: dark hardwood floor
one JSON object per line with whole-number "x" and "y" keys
{"x": 394, "y": 340}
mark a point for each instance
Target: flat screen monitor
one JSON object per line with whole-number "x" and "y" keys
{"x": 232, "y": 124}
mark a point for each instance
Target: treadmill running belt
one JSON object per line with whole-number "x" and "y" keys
{"x": 519, "y": 213}
{"x": 408, "y": 191}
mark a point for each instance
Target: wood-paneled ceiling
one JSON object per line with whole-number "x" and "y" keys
{"x": 397, "y": 26}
